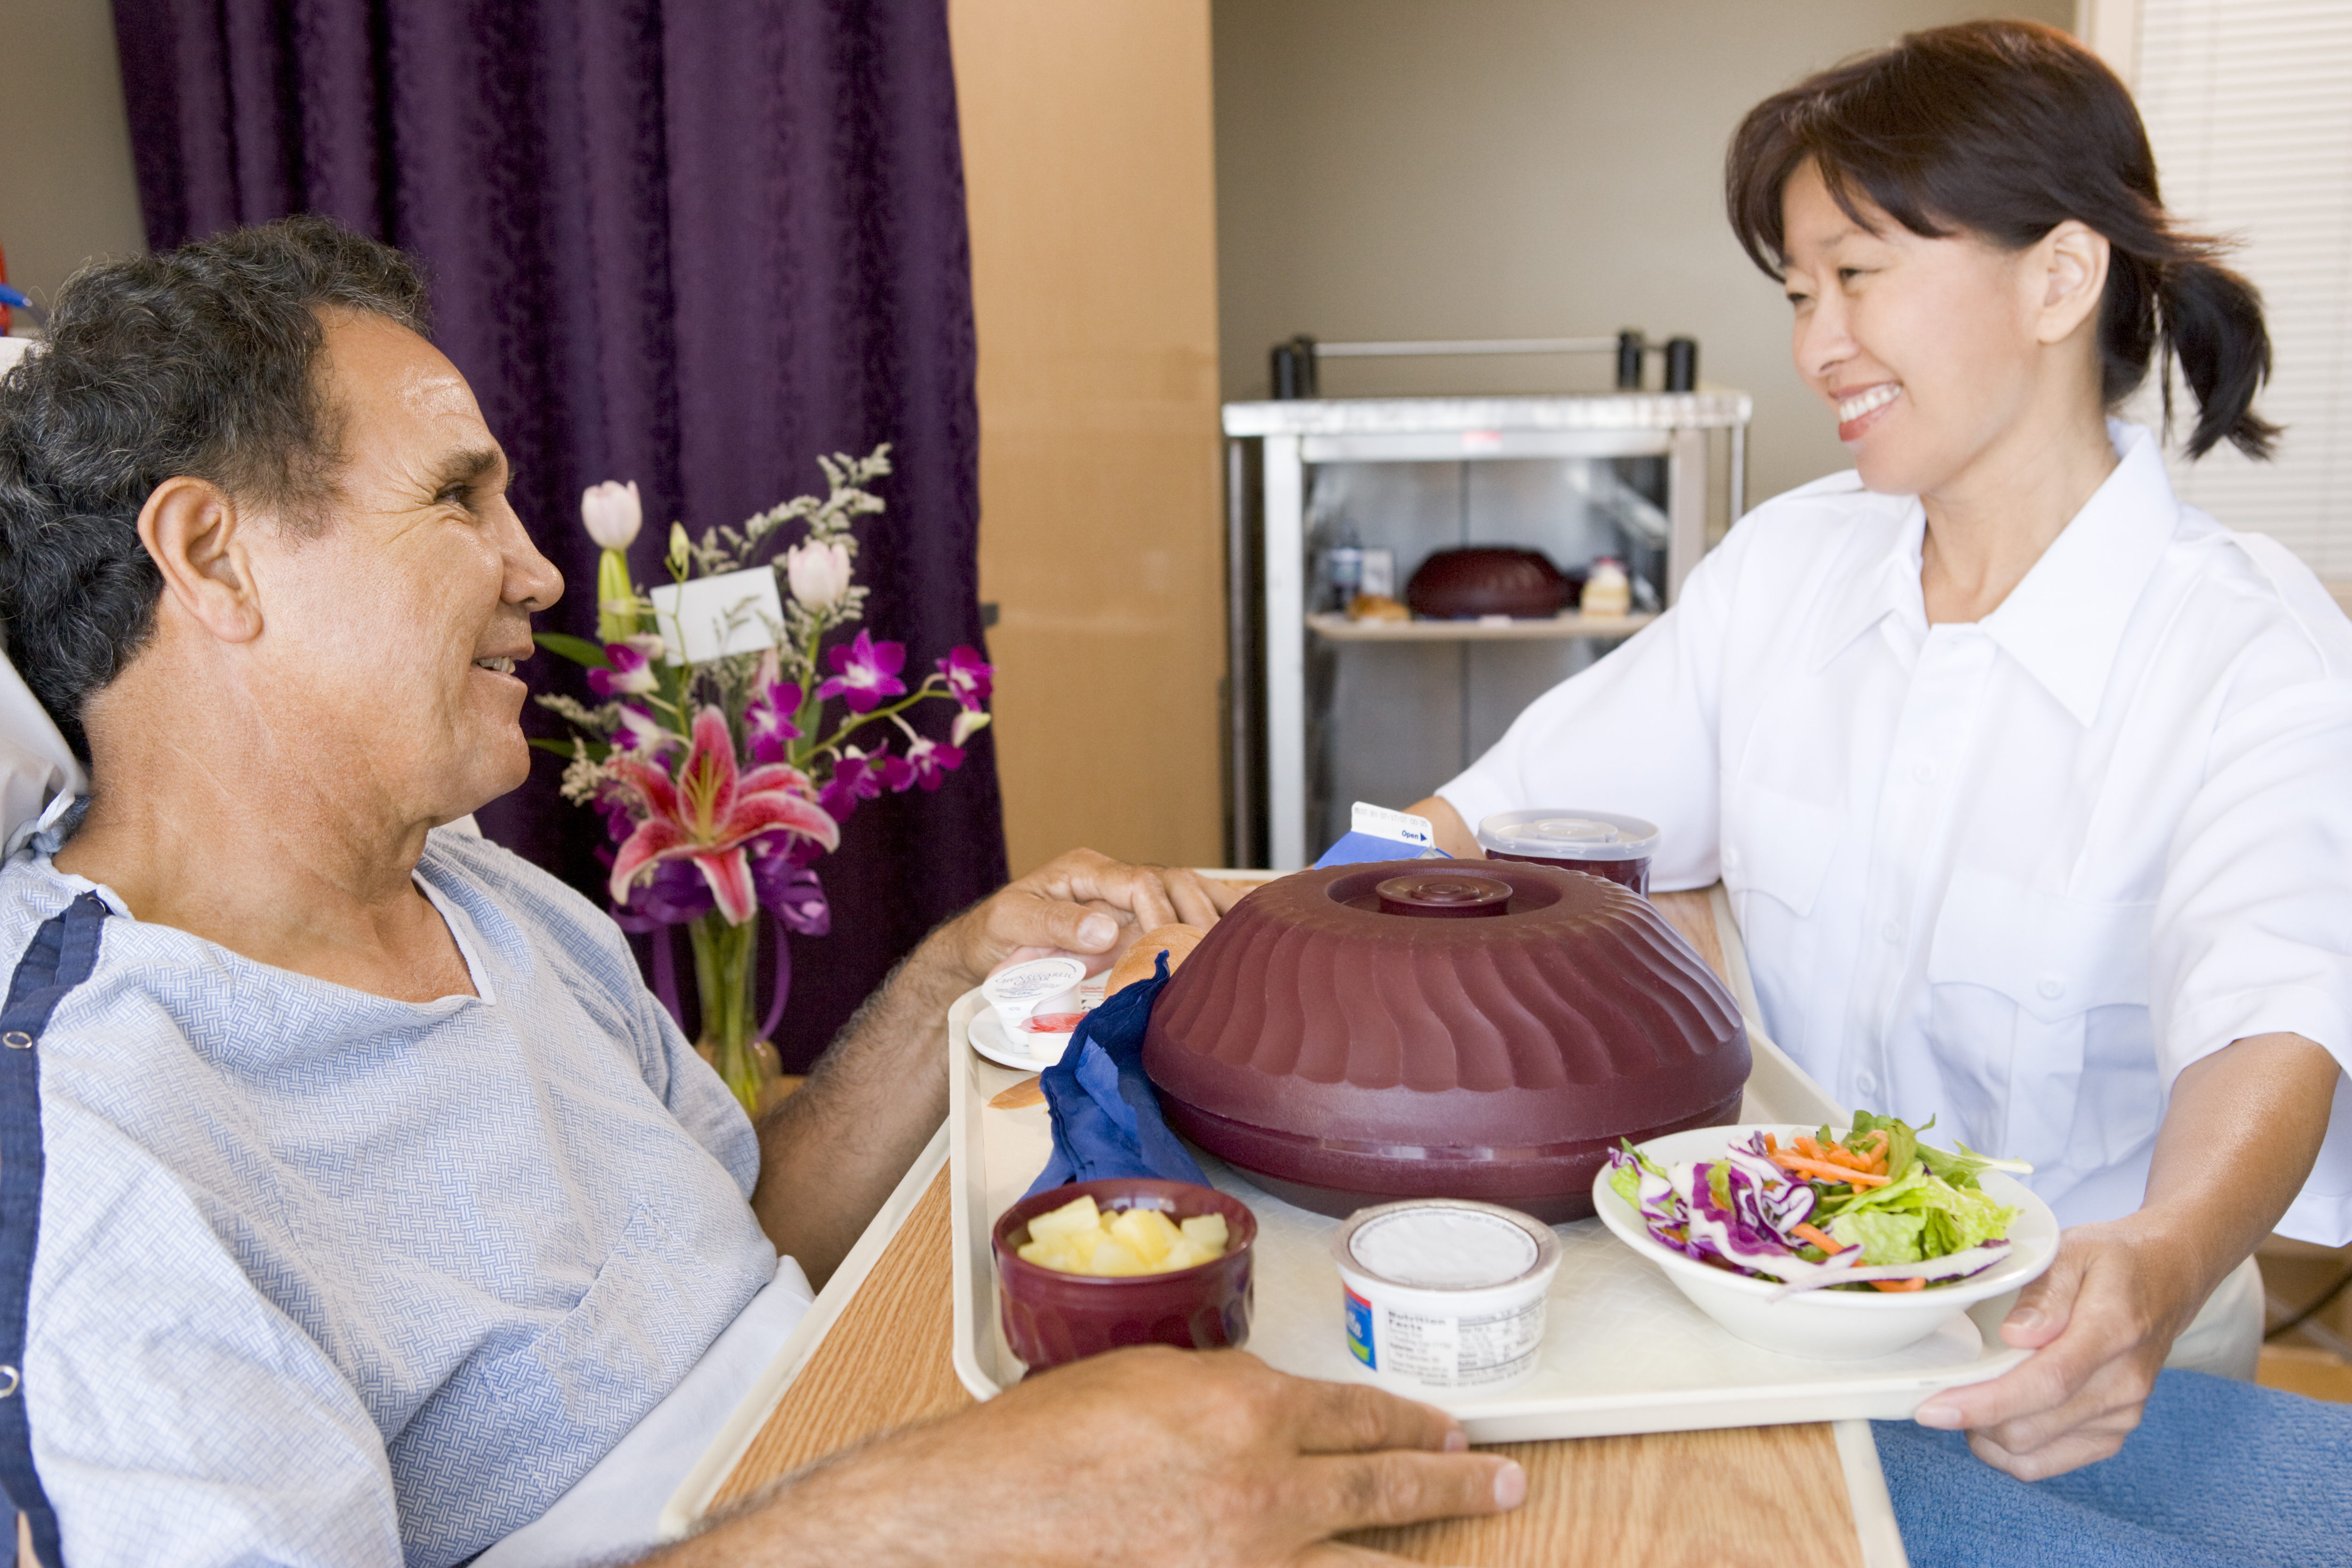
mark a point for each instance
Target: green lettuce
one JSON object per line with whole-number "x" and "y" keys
{"x": 1884, "y": 1237}
{"x": 1626, "y": 1181}
{"x": 1947, "y": 1218}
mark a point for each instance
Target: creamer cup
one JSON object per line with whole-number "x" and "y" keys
{"x": 1040, "y": 986}
{"x": 1446, "y": 1296}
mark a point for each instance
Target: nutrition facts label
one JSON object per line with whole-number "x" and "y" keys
{"x": 1445, "y": 1352}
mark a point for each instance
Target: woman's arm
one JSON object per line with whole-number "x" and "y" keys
{"x": 2244, "y": 1128}
{"x": 1454, "y": 834}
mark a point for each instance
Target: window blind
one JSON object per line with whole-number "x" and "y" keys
{"x": 2249, "y": 104}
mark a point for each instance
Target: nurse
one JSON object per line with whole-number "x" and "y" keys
{"x": 2031, "y": 786}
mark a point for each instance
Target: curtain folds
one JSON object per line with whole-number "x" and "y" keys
{"x": 691, "y": 243}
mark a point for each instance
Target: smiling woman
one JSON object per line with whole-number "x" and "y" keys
{"x": 2023, "y": 776}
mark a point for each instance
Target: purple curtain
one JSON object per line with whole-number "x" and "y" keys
{"x": 691, "y": 243}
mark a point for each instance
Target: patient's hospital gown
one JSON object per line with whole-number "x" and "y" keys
{"x": 324, "y": 1278}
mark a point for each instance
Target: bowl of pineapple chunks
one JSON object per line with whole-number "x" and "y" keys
{"x": 1094, "y": 1265}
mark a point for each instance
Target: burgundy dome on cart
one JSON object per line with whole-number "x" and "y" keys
{"x": 1345, "y": 1049}
{"x": 1487, "y": 580}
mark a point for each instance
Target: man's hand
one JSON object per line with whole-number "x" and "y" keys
{"x": 2235, "y": 1146}
{"x": 1146, "y": 1457}
{"x": 1084, "y": 904}
{"x": 830, "y": 1154}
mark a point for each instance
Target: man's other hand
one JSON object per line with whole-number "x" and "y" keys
{"x": 1086, "y": 905}
{"x": 1143, "y": 1457}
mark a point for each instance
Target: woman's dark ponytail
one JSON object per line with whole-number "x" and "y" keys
{"x": 2007, "y": 129}
{"x": 2212, "y": 325}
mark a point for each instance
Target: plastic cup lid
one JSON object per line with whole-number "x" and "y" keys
{"x": 1040, "y": 986}
{"x": 1569, "y": 835}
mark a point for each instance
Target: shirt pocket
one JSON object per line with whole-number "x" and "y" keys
{"x": 2020, "y": 984}
{"x": 1779, "y": 846}
{"x": 509, "y": 1433}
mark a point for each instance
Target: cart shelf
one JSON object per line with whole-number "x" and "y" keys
{"x": 1336, "y": 627}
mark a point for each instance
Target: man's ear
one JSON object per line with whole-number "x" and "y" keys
{"x": 191, "y": 530}
{"x": 2073, "y": 275}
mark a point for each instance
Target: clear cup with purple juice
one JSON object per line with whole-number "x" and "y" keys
{"x": 1601, "y": 843}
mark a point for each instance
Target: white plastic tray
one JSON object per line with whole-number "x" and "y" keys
{"x": 1623, "y": 1351}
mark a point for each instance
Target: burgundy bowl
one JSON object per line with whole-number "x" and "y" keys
{"x": 1345, "y": 1049}
{"x": 1051, "y": 1317}
{"x": 1486, "y": 581}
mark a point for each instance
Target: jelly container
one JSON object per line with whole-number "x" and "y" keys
{"x": 1041, "y": 989}
{"x": 1444, "y": 1295}
{"x": 1601, "y": 842}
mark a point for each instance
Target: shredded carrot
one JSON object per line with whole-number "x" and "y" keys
{"x": 1900, "y": 1285}
{"x": 1772, "y": 1144}
{"x": 1829, "y": 1171}
{"x": 1811, "y": 1232}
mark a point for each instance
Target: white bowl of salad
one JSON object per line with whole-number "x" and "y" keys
{"x": 1837, "y": 1244}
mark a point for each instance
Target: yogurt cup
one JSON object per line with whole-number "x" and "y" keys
{"x": 1042, "y": 986}
{"x": 1600, "y": 843}
{"x": 1446, "y": 1295}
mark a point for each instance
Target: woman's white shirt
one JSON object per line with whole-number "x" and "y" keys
{"x": 2016, "y": 874}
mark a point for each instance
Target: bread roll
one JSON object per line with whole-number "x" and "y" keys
{"x": 1141, "y": 961}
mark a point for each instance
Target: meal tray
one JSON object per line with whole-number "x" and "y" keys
{"x": 1623, "y": 1351}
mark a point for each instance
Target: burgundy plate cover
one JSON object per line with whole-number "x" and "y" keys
{"x": 1486, "y": 580}
{"x": 1346, "y": 1056}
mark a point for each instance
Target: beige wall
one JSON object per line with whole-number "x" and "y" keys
{"x": 1517, "y": 168}
{"x": 1089, "y": 168}
{"x": 66, "y": 193}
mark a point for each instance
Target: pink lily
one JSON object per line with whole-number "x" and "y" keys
{"x": 864, "y": 673}
{"x": 709, "y": 814}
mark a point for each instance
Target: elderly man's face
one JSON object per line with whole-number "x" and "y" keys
{"x": 394, "y": 632}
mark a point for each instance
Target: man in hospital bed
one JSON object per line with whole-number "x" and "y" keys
{"x": 358, "y": 1205}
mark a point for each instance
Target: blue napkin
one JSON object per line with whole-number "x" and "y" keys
{"x": 2219, "y": 1473}
{"x": 1106, "y": 1119}
{"x": 1356, "y": 848}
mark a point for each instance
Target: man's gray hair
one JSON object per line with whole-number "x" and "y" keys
{"x": 200, "y": 362}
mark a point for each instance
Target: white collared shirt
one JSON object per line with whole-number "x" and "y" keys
{"x": 2017, "y": 874}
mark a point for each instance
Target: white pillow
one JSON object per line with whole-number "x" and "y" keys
{"x": 36, "y": 763}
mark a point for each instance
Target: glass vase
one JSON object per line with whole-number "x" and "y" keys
{"x": 726, "y": 974}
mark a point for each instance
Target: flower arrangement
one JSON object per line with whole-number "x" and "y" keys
{"x": 731, "y": 743}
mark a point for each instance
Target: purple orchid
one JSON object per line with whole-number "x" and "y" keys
{"x": 864, "y": 673}
{"x": 970, "y": 677}
{"x": 768, "y": 721}
{"x": 854, "y": 779}
{"x": 932, "y": 762}
{"x": 632, "y": 674}
{"x": 709, "y": 813}
{"x": 788, "y": 888}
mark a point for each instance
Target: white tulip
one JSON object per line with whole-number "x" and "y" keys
{"x": 612, "y": 513}
{"x": 819, "y": 574}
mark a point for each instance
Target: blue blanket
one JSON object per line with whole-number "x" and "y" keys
{"x": 1106, "y": 1119}
{"x": 2219, "y": 1473}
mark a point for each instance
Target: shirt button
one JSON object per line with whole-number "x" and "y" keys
{"x": 1925, "y": 773}
{"x": 1731, "y": 859}
{"x": 2052, "y": 987}
{"x": 1891, "y": 930}
{"x": 1867, "y": 1081}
